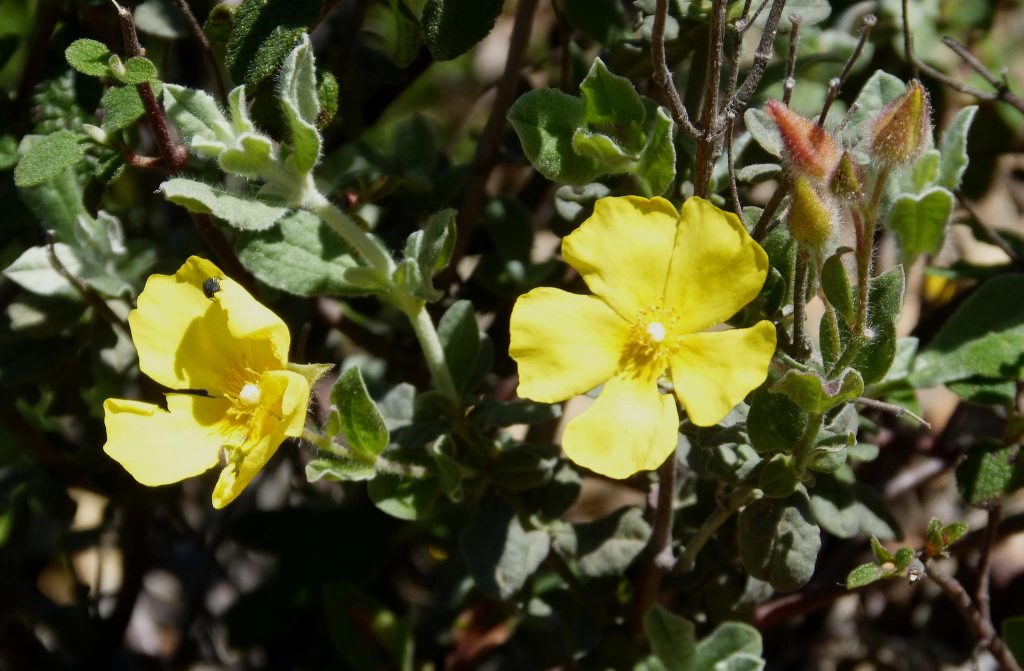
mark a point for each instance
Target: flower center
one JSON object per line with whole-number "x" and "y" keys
{"x": 656, "y": 332}
{"x": 651, "y": 341}
{"x": 250, "y": 394}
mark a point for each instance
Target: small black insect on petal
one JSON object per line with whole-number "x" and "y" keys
{"x": 210, "y": 287}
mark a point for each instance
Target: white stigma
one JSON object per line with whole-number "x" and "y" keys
{"x": 250, "y": 394}
{"x": 656, "y": 331}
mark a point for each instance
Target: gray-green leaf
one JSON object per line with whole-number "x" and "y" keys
{"x": 241, "y": 212}
{"x": 48, "y": 157}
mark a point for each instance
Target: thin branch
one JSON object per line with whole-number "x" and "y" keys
{"x": 982, "y": 595}
{"x": 731, "y": 164}
{"x": 891, "y": 408}
{"x": 490, "y": 140}
{"x": 991, "y": 234}
{"x": 908, "y": 42}
{"x": 761, "y": 228}
{"x": 87, "y": 292}
{"x": 867, "y": 26}
{"x": 745, "y": 24}
{"x": 765, "y": 48}
{"x": 830, "y": 97}
{"x": 801, "y": 343}
{"x": 794, "y": 42}
{"x": 707, "y": 145}
{"x": 982, "y": 626}
{"x": 999, "y": 84}
{"x": 662, "y": 74}
{"x": 736, "y": 500}
{"x": 173, "y": 152}
{"x": 197, "y": 32}
{"x": 658, "y": 559}
{"x": 854, "y": 106}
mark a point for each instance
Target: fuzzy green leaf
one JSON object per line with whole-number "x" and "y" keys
{"x": 606, "y": 547}
{"x": 409, "y": 494}
{"x": 300, "y": 255}
{"x": 984, "y": 337}
{"x": 881, "y": 554}
{"x": 196, "y": 114}
{"x": 764, "y": 131}
{"x": 920, "y": 221}
{"x": 779, "y": 541}
{"x": 500, "y": 553}
{"x": 728, "y": 642}
{"x": 865, "y": 574}
{"x": 361, "y": 421}
{"x": 836, "y": 285}
{"x": 338, "y": 469}
{"x": 296, "y": 87}
{"x": 460, "y": 338}
{"x": 775, "y": 423}
{"x": 809, "y": 391}
{"x": 89, "y": 57}
{"x": 48, "y": 157}
{"x": 453, "y": 27}
{"x": 264, "y": 33}
{"x": 989, "y": 472}
{"x": 137, "y": 70}
{"x": 612, "y": 107}
{"x": 656, "y": 165}
{"x": 241, "y": 212}
{"x": 778, "y": 477}
{"x": 546, "y": 120}
{"x": 673, "y": 639}
{"x": 122, "y": 107}
{"x": 954, "y": 160}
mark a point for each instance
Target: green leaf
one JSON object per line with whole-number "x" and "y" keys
{"x": 449, "y": 473}
{"x": 809, "y": 11}
{"x": 137, "y": 70}
{"x": 453, "y": 27}
{"x": 48, "y": 157}
{"x": 881, "y": 554}
{"x": 758, "y": 172}
{"x": 34, "y": 272}
{"x": 764, "y": 131}
{"x": 608, "y": 546}
{"x": 920, "y": 221}
{"x": 845, "y": 509}
{"x": 953, "y": 161}
{"x": 338, "y": 469}
{"x": 605, "y": 151}
{"x": 983, "y": 338}
{"x": 8, "y": 151}
{"x": 300, "y": 255}
{"x": 407, "y": 39}
{"x": 522, "y": 466}
{"x": 431, "y": 247}
{"x": 602, "y": 20}
{"x": 673, "y": 639}
{"x": 296, "y": 87}
{"x": 361, "y": 421}
{"x": 612, "y": 107}
{"x": 554, "y": 497}
{"x": 836, "y": 285}
{"x": 460, "y": 338}
{"x": 656, "y": 165}
{"x": 865, "y": 574}
{"x": 989, "y": 472}
{"x": 1013, "y": 636}
{"x": 407, "y": 494}
{"x": 903, "y": 558}
{"x": 500, "y": 553}
{"x": 89, "y": 57}
{"x": 779, "y": 541}
{"x": 264, "y": 33}
{"x": 492, "y": 412}
{"x": 953, "y": 532}
{"x": 778, "y": 477}
{"x": 160, "y": 19}
{"x": 775, "y": 423}
{"x": 730, "y": 640}
{"x": 122, "y": 107}
{"x": 815, "y": 395}
{"x": 546, "y": 120}
{"x": 196, "y": 114}
{"x": 243, "y": 213}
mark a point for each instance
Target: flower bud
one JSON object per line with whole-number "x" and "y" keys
{"x": 810, "y": 216}
{"x": 808, "y": 148}
{"x": 117, "y": 67}
{"x": 901, "y": 131}
{"x": 845, "y": 183}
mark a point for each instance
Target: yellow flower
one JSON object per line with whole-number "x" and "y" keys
{"x": 659, "y": 280}
{"x": 198, "y": 330}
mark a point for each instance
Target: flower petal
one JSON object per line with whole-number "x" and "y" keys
{"x": 714, "y": 371}
{"x": 717, "y": 268}
{"x": 623, "y": 251}
{"x": 565, "y": 344}
{"x": 157, "y": 446}
{"x": 187, "y": 340}
{"x": 282, "y": 414}
{"x": 631, "y": 427}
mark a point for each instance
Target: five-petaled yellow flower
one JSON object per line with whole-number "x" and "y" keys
{"x": 198, "y": 330}
{"x": 659, "y": 281}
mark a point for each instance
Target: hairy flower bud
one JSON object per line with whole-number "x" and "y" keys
{"x": 901, "y": 131}
{"x": 845, "y": 183}
{"x": 808, "y": 148}
{"x": 811, "y": 216}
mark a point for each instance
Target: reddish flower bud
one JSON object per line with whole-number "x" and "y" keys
{"x": 901, "y": 131}
{"x": 808, "y": 148}
{"x": 811, "y": 216}
{"x": 845, "y": 182}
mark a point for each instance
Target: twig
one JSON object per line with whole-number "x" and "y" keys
{"x": 794, "y": 42}
{"x": 854, "y": 106}
{"x": 995, "y": 513}
{"x": 707, "y": 145}
{"x": 84, "y": 289}
{"x": 737, "y": 499}
{"x": 830, "y": 97}
{"x": 662, "y": 74}
{"x": 801, "y": 344}
{"x": 867, "y": 26}
{"x": 908, "y": 42}
{"x": 982, "y": 626}
{"x": 1002, "y": 88}
{"x": 658, "y": 559}
{"x": 490, "y": 139}
{"x": 892, "y": 408}
{"x": 744, "y": 24}
{"x": 197, "y": 32}
{"x": 991, "y": 234}
{"x": 733, "y": 189}
{"x": 173, "y": 152}
{"x": 761, "y": 228}
{"x": 761, "y": 57}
